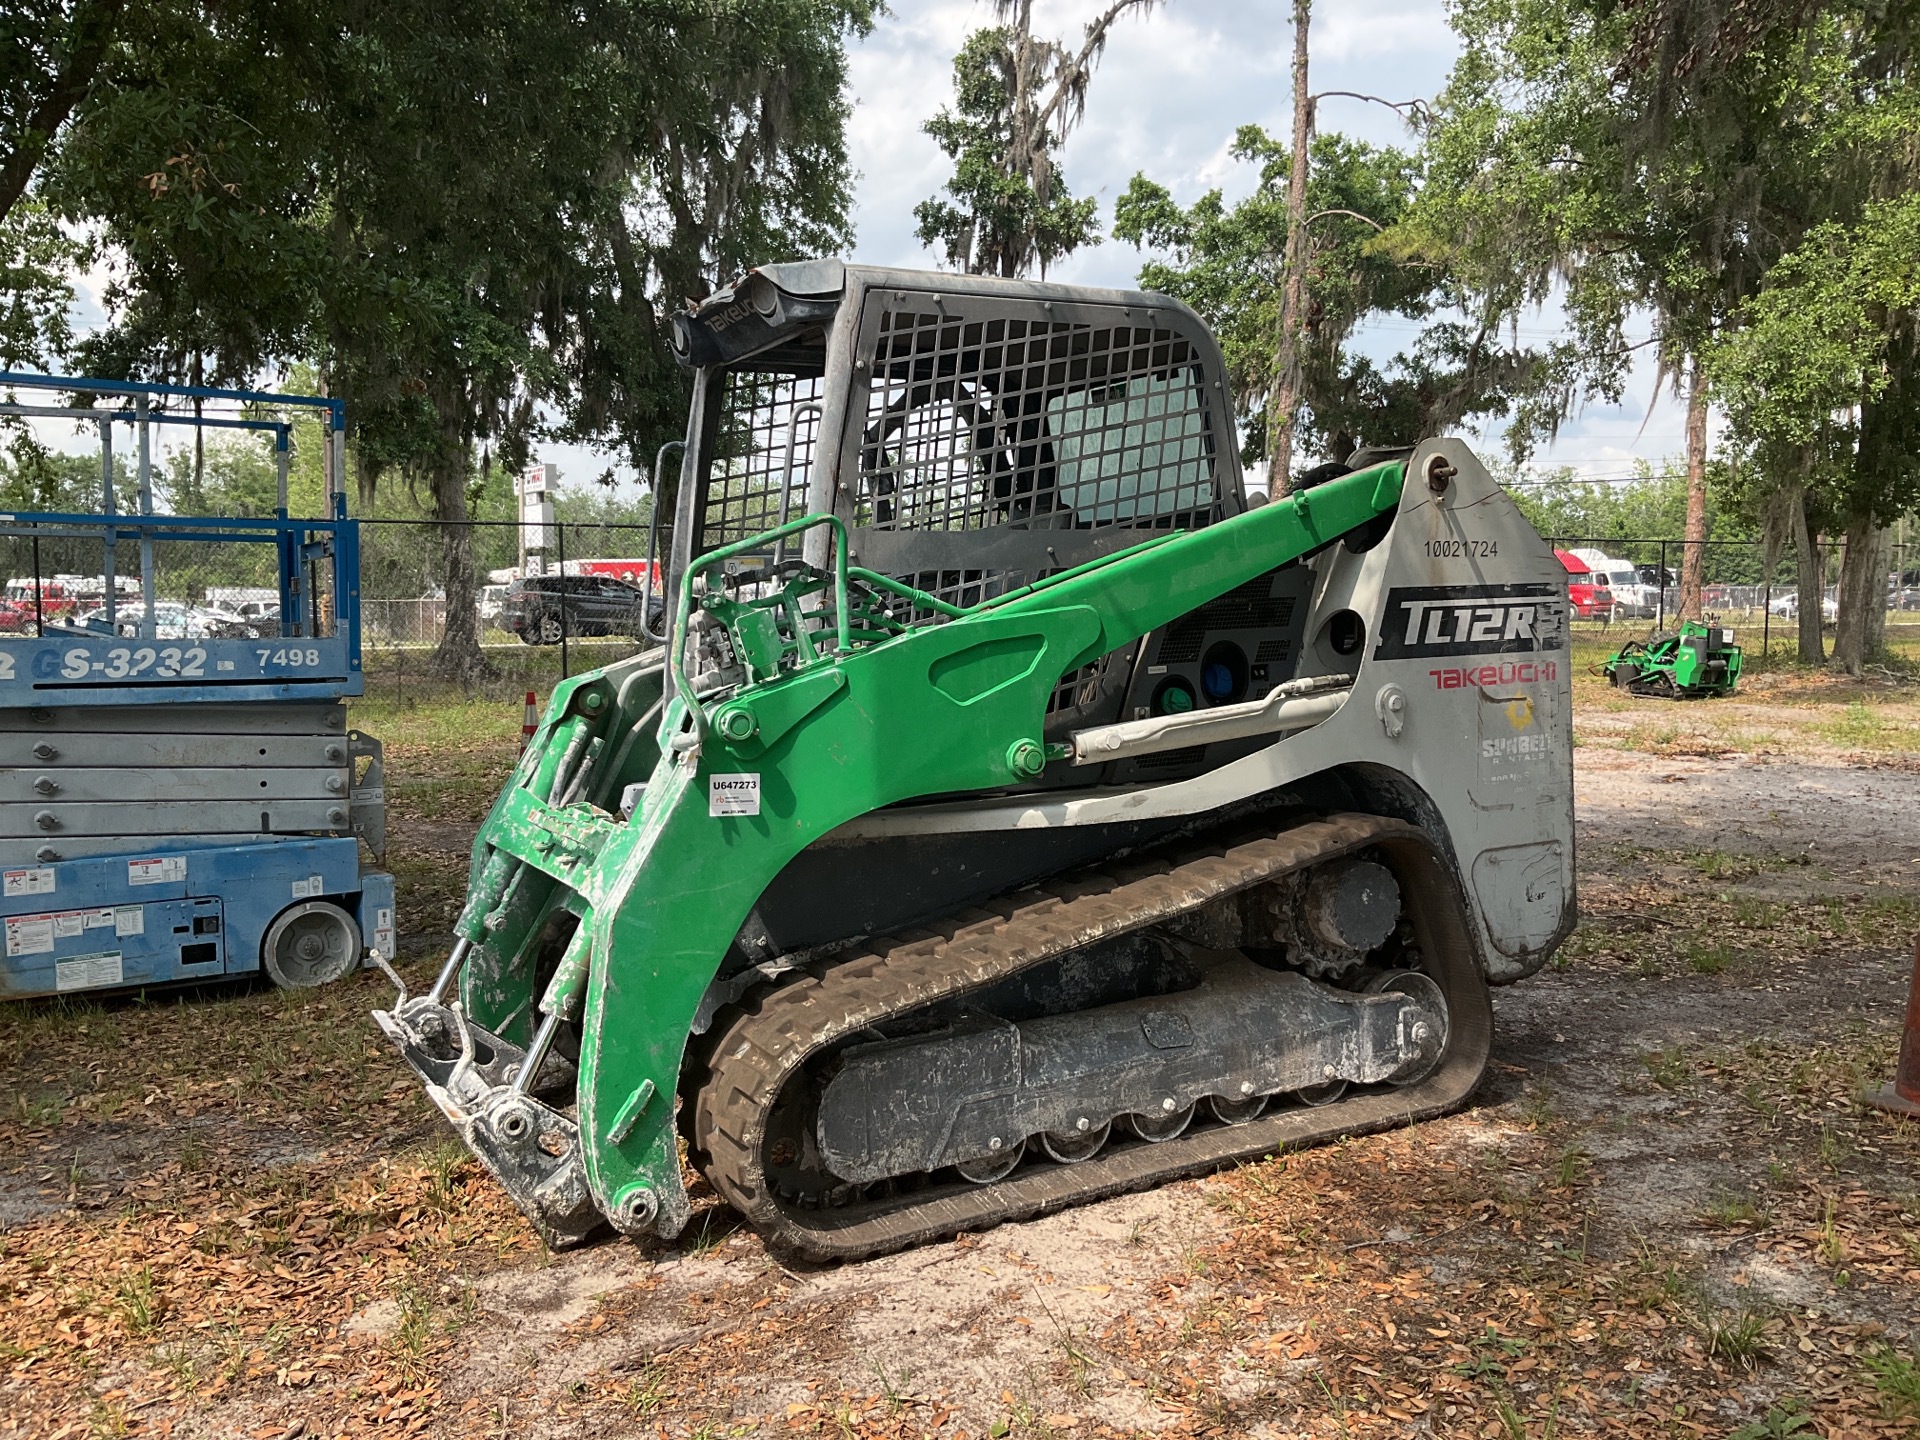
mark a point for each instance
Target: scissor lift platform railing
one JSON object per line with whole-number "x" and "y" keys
{"x": 180, "y": 800}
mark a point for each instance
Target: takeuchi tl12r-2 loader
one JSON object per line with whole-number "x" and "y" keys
{"x": 1019, "y": 814}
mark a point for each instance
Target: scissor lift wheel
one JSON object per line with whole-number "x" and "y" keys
{"x": 310, "y": 944}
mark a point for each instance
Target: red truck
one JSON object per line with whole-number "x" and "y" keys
{"x": 1587, "y": 589}
{"x": 637, "y": 573}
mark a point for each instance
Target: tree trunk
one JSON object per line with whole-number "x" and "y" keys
{"x": 199, "y": 438}
{"x": 458, "y": 656}
{"x": 1013, "y": 261}
{"x": 1284, "y": 405}
{"x": 1860, "y": 630}
{"x": 1693, "y": 555}
{"x": 1813, "y": 649}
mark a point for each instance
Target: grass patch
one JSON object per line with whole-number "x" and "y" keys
{"x": 1896, "y": 1376}
{"x": 1710, "y": 957}
{"x": 1871, "y": 727}
{"x": 1734, "y": 1209}
{"x": 1781, "y": 1422}
{"x": 1735, "y": 1337}
{"x": 1668, "y": 1068}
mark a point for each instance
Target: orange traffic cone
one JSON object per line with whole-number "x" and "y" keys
{"x": 529, "y": 722}
{"x": 1902, "y": 1097}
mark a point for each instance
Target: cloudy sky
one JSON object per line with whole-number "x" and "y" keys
{"x": 1169, "y": 93}
{"x": 1171, "y": 89}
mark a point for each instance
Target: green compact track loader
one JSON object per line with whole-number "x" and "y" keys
{"x": 1018, "y": 812}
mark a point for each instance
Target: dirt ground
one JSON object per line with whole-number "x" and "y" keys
{"x": 1664, "y": 1213}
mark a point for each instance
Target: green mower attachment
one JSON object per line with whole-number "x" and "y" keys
{"x": 1691, "y": 663}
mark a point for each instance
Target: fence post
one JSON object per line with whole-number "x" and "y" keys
{"x": 1766, "y": 615}
{"x": 1660, "y": 621}
{"x": 39, "y": 613}
{"x": 560, "y": 535}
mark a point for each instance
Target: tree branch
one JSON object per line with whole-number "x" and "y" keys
{"x": 92, "y": 30}
{"x": 1408, "y": 108}
{"x": 1353, "y": 214}
{"x": 1072, "y": 74}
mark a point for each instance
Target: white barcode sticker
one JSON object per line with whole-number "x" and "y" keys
{"x": 157, "y": 870}
{"x": 311, "y": 888}
{"x": 86, "y": 972}
{"x": 26, "y": 882}
{"x": 733, "y": 795}
{"x": 129, "y": 920}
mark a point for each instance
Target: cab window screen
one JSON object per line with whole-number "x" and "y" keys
{"x": 1034, "y": 424}
{"x": 762, "y": 458}
{"x": 1132, "y": 451}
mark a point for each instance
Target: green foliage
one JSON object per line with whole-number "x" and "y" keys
{"x": 237, "y": 478}
{"x": 1653, "y": 506}
{"x": 1227, "y": 262}
{"x": 1003, "y": 215}
{"x": 602, "y": 505}
{"x": 50, "y": 52}
{"x": 36, "y": 262}
{"x": 1618, "y": 157}
{"x": 1823, "y": 364}
{"x": 1896, "y": 1375}
{"x": 474, "y": 220}
{"x": 33, "y": 477}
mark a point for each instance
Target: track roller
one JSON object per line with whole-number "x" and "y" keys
{"x": 1072, "y": 1147}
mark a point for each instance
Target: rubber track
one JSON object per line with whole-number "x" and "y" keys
{"x": 765, "y": 1046}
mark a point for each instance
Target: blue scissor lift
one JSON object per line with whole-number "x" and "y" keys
{"x": 180, "y": 802}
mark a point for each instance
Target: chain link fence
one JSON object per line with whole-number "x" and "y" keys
{"x": 593, "y": 596}
{"x": 590, "y": 598}
{"x": 202, "y": 579}
{"x": 1737, "y": 586}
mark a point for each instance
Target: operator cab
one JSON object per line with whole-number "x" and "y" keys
{"x": 974, "y": 440}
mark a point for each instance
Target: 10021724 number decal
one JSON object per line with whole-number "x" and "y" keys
{"x": 1462, "y": 549}
{"x": 126, "y": 662}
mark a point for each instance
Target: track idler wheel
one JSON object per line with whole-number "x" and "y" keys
{"x": 1428, "y": 1037}
{"x": 1318, "y": 1095}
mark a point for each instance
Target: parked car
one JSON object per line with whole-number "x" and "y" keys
{"x": 237, "y": 624}
{"x": 56, "y": 598}
{"x": 171, "y": 621}
{"x": 263, "y": 615}
{"x": 16, "y": 616}
{"x": 1586, "y": 588}
{"x": 1788, "y": 606}
{"x": 541, "y": 608}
